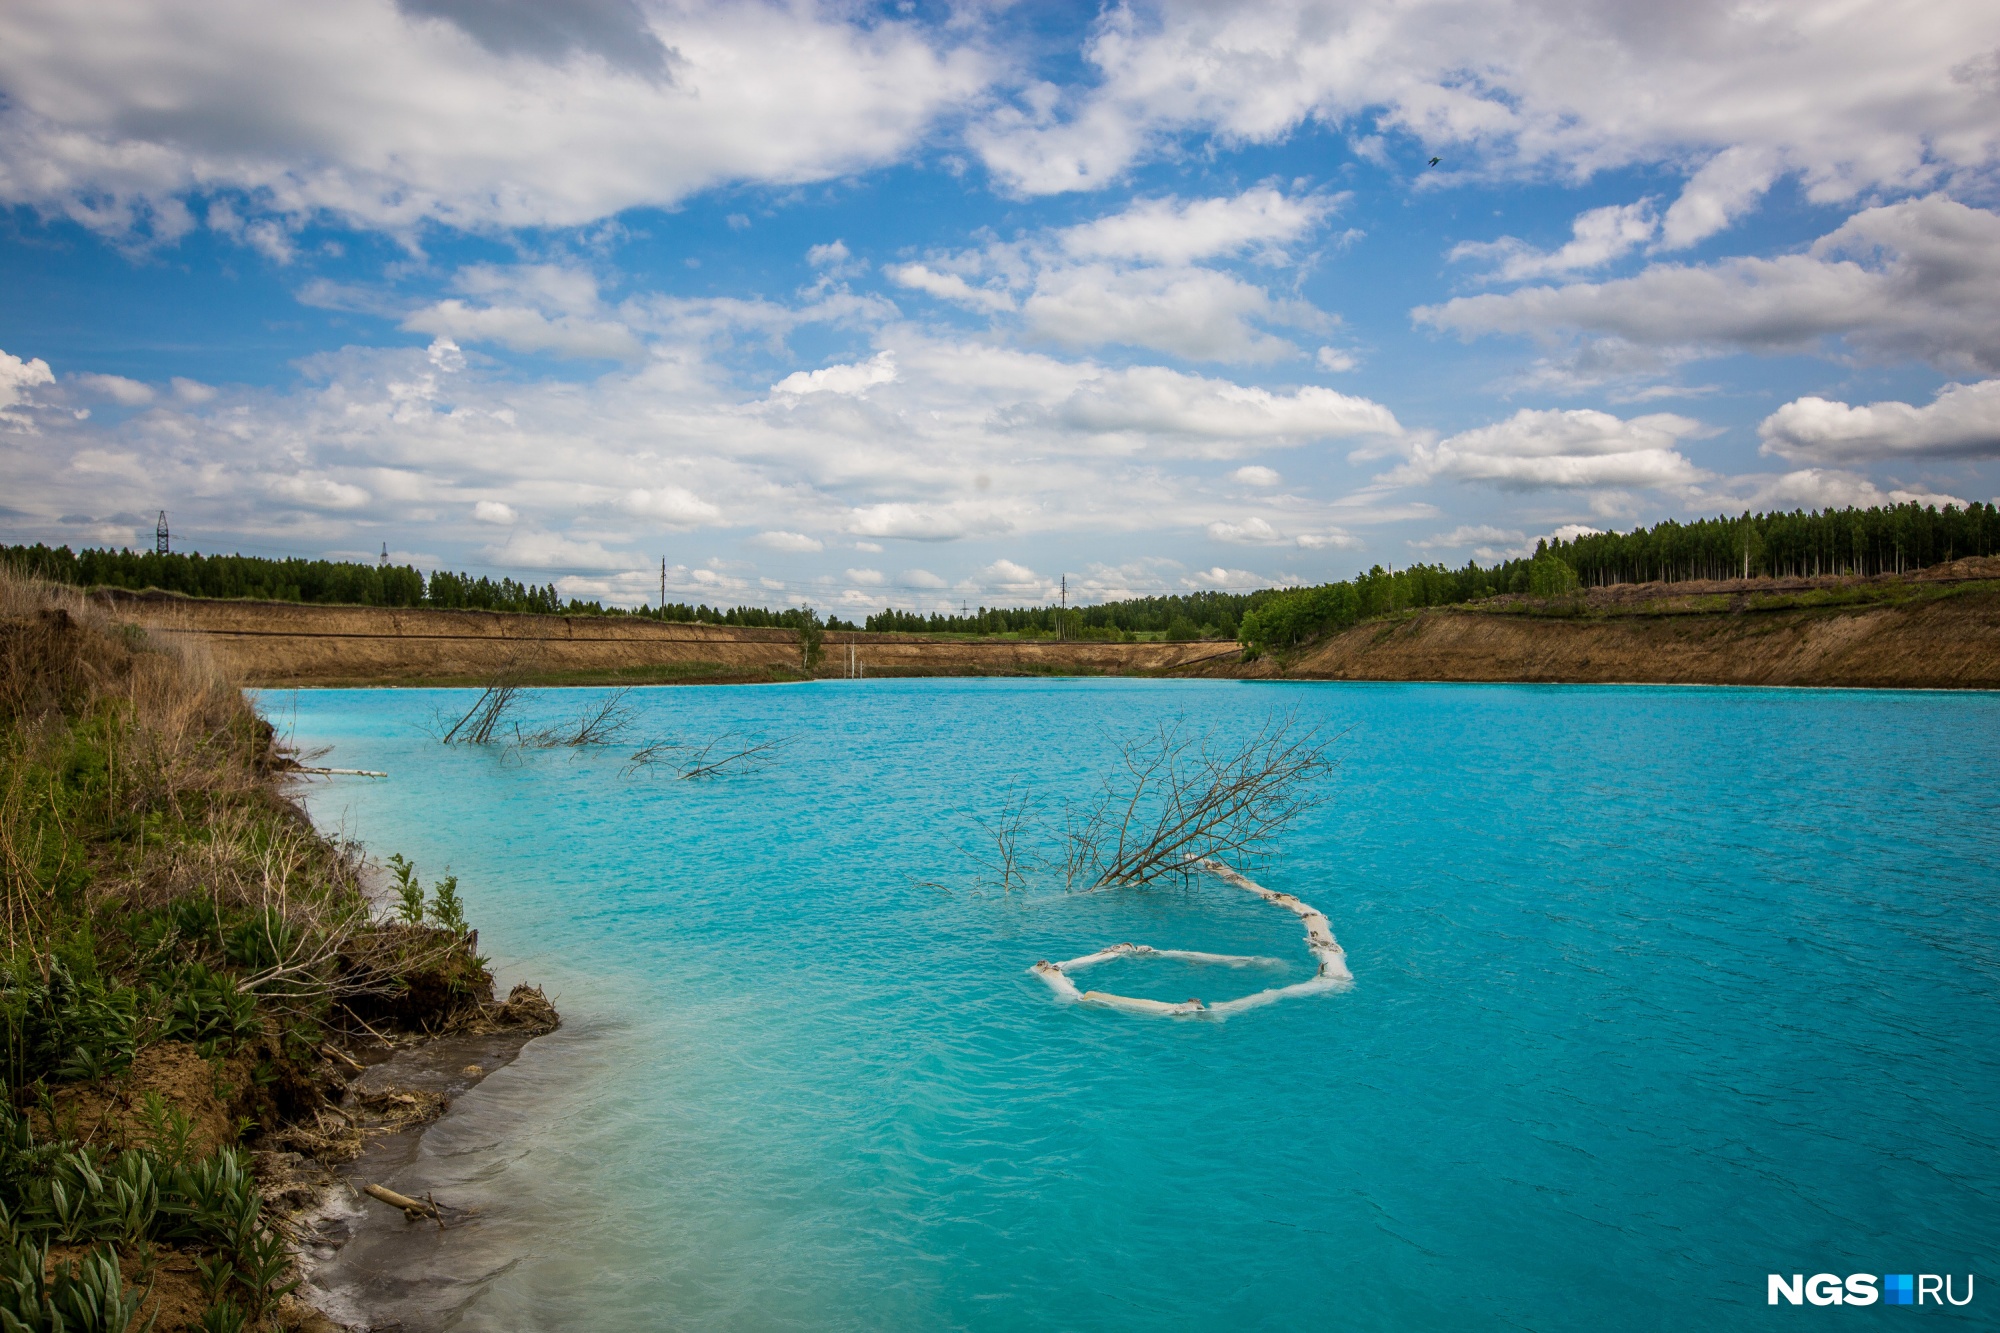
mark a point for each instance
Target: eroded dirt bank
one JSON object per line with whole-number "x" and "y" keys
{"x": 1937, "y": 629}
{"x": 1947, "y": 642}
{"x": 275, "y": 644}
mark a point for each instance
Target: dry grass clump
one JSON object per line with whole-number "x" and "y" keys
{"x": 142, "y": 834}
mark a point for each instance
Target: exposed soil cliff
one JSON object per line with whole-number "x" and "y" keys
{"x": 281, "y": 644}
{"x": 1939, "y": 628}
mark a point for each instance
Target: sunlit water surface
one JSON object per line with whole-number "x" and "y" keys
{"x": 1657, "y": 991}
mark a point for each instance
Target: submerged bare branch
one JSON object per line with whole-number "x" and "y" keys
{"x": 477, "y": 725}
{"x": 722, "y": 754}
{"x": 606, "y": 724}
{"x": 1006, "y": 832}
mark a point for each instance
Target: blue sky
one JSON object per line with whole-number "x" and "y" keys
{"x": 916, "y": 305}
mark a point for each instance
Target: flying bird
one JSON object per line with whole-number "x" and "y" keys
{"x": 1434, "y": 161}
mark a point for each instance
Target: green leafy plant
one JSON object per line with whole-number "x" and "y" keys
{"x": 85, "y": 1297}
{"x": 167, "y": 1130}
{"x": 202, "y": 1005}
{"x": 261, "y": 1265}
{"x": 446, "y": 909}
{"x": 409, "y": 891}
{"x": 91, "y": 1297}
{"x": 225, "y": 1316}
{"x": 73, "y": 1028}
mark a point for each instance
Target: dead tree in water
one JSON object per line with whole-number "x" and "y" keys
{"x": 1179, "y": 796}
{"x": 476, "y": 727}
{"x": 604, "y": 725}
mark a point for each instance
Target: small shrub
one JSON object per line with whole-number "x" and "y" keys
{"x": 409, "y": 891}
{"x": 1551, "y": 576}
{"x": 446, "y": 908}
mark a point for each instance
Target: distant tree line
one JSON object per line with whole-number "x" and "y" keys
{"x": 1200, "y": 615}
{"x": 348, "y": 583}
{"x": 1891, "y": 539}
{"x": 1888, "y": 539}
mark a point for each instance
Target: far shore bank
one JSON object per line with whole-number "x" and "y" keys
{"x": 1937, "y": 629}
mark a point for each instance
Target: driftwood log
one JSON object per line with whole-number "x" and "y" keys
{"x": 411, "y": 1207}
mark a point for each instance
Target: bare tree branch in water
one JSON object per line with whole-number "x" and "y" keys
{"x": 476, "y": 727}
{"x": 1180, "y": 795}
{"x": 1005, "y": 833}
{"x": 605, "y": 725}
{"x": 502, "y": 692}
{"x": 707, "y": 759}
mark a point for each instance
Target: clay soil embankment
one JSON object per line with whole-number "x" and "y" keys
{"x": 275, "y": 644}
{"x": 1939, "y": 629}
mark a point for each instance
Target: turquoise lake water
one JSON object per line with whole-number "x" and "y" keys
{"x": 1656, "y": 991}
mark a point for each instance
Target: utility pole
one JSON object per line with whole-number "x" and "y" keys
{"x": 663, "y": 584}
{"x": 1062, "y": 616}
{"x": 160, "y": 544}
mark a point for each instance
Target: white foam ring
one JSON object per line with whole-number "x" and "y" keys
{"x": 1331, "y": 974}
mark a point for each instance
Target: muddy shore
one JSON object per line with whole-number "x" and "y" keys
{"x": 367, "y": 1265}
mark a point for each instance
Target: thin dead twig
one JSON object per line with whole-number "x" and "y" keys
{"x": 1006, "y": 831}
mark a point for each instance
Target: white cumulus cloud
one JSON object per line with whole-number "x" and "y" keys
{"x": 1849, "y": 97}
{"x": 1919, "y": 278}
{"x": 855, "y": 378}
{"x": 673, "y": 506}
{"x": 391, "y": 115}
{"x": 1219, "y": 417}
{"x": 116, "y": 388}
{"x": 949, "y": 287}
{"x": 1259, "y": 531}
{"x": 1197, "y": 313}
{"x": 319, "y": 492}
{"x": 1963, "y": 421}
{"x": 17, "y": 377}
{"x": 526, "y": 330}
{"x": 1560, "y": 449}
{"x": 1597, "y": 237}
{"x": 1174, "y": 231}
{"x": 552, "y": 550}
{"x": 779, "y": 540}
